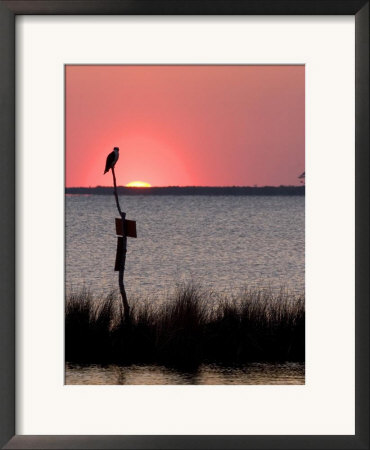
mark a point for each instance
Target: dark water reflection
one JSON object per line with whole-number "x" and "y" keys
{"x": 251, "y": 374}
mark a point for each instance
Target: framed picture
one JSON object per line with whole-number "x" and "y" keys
{"x": 199, "y": 298}
{"x": 204, "y": 142}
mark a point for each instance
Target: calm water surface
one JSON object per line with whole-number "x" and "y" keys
{"x": 221, "y": 242}
{"x": 252, "y": 374}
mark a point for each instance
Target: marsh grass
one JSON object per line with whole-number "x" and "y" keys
{"x": 187, "y": 328}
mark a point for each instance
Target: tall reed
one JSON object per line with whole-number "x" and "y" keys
{"x": 188, "y": 328}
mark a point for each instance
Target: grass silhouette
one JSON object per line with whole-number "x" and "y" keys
{"x": 189, "y": 328}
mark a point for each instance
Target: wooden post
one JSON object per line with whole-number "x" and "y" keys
{"x": 121, "y": 272}
{"x": 115, "y": 193}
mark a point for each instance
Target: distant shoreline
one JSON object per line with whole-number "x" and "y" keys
{"x": 189, "y": 190}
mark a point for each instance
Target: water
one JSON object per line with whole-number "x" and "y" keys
{"x": 223, "y": 243}
{"x": 252, "y": 374}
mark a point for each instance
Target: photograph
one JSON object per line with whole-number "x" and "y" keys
{"x": 184, "y": 225}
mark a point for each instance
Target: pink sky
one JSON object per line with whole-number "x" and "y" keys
{"x": 186, "y": 125}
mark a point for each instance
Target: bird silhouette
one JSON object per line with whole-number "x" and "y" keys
{"x": 112, "y": 158}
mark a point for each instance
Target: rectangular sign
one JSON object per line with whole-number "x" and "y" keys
{"x": 130, "y": 228}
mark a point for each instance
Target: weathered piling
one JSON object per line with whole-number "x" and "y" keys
{"x": 121, "y": 255}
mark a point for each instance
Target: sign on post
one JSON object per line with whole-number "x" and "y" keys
{"x": 130, "y": 228}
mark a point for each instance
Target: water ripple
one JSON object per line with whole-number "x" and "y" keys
{"x": 220, "y": 242}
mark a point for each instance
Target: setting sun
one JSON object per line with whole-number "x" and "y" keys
{"x": 139, "y": 184}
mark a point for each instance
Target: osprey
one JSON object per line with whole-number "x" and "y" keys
{"x": 112, "y": 158}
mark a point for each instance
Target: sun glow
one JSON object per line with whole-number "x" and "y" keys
{"x": 138, "y": 184}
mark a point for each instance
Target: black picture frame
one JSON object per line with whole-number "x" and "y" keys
{"x": 8, "y": 11}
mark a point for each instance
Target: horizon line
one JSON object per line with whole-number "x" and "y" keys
{"x": 187, "y": 186}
